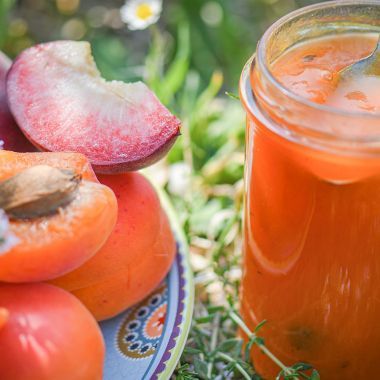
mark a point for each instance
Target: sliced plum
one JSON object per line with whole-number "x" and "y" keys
{"x": 11, "y": 138}
{"x": 62, "y": 103}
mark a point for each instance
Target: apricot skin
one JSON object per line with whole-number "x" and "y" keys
{"x": 124, "y": 288}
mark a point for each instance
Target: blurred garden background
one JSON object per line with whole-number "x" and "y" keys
{"x": 192, "y": 58}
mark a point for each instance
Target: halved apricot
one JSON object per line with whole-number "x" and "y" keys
{"x": 51, "y": 245}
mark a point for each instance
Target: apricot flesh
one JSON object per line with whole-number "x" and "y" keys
{"x": 12, "y": 162}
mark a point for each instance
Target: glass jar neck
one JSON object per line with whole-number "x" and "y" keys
{"x": 296, "y": 118}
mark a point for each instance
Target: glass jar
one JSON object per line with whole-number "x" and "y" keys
{"x": 312, "y": 210}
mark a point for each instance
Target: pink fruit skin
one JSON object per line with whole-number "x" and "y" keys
{"x": 126, "y": 139}
{"x": 11, "y": 136}
{"x": 141, "y": 163}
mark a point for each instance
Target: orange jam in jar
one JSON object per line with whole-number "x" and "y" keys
{"x": 312, "y": 198}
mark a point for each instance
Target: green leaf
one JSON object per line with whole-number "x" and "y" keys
{"x": 302, "y": 366}
{"x": 214, "y": 309}
{"x": 206, "y": 319}
{"x": 5, "y": 7}
{"x": 209, "y": 93}
{"x": 238, "y": 349}
{"x": 260, "y": 325}
{"x": 255, "y": 340}
{"x": 177, "y": 71}
{"x": 259, "y": 341}
{"x": 279, "y": 376}
{"x": 230, "y": 345}
{"x": 200, "y": 367}
{"x": 112, "y": 57}
{"x": 192, "y": 351}
{"x": 232, "y": 96}
{"x": 248, "y": 348}
{"x": 202, "y": 214}
{"x": 315, "y": 375}
{"x": 154, "y": 61}
{"x": 189, "y": 94}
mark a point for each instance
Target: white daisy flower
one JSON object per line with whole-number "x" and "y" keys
{"x": 139, "y": 14}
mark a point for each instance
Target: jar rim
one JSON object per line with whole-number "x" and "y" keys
{"x": 261, "y": 58}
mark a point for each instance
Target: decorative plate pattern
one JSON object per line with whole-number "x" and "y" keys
{"x": 139, "y": 334}
{"x": 146, "y": 341}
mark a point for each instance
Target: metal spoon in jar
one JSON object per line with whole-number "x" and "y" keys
{"x": 369, "y": 66}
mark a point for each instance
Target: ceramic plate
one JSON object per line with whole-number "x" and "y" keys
{"x": 146, "y": 341}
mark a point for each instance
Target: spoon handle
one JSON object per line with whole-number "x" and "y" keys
{"x": 369, "y": 66}
{"x": 377, "y": 50}
{"x": 373, "y": 66}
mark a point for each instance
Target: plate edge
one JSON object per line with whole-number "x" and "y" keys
{"x": 185, "y": 325}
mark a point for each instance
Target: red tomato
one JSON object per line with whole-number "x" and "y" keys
{"x": 47, "y": 334}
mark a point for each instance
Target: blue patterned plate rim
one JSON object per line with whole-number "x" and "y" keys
{"x": 133, "y": 350}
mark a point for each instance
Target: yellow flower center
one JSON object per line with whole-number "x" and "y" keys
{"x": 144, "y": 11}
